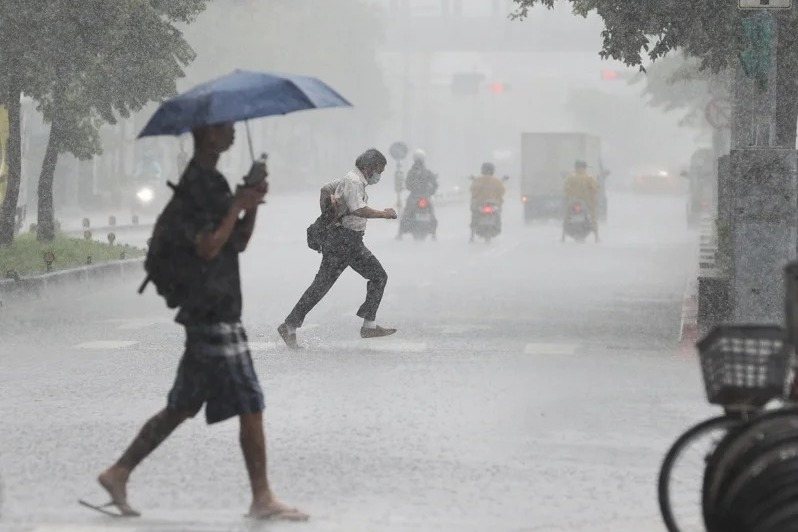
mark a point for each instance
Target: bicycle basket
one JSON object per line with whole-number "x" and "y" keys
{"x": 744, "y": 365}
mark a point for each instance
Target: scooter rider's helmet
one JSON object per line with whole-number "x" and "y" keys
{"x": 488, "y": 169}
{"x": 419, "y": 156}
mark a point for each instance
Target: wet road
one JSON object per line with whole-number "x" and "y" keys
{"x": 533, "y": 385}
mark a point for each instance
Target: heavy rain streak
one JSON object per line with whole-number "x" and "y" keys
{"x": 382, "y": 265}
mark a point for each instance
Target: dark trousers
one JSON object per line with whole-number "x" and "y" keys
{"x": 343, "y": 249}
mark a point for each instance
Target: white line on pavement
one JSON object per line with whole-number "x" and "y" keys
{"x": 550, "y": 349}
{"x": 106, "y": 344}
{"x": 80, "y": 528}
{"x": 132, "y": 324}
{"x": 461, "y": 329}
{"x": 382, "y": 346}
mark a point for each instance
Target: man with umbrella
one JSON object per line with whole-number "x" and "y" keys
{"x": 216, "y": 370}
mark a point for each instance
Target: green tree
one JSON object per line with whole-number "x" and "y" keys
{"x": 677, "y": 83}
{"x": 89, "y": 63}
{"x": 711, "y": 31}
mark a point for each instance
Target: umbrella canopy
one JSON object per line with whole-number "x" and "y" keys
{"x": 240, "y": 95}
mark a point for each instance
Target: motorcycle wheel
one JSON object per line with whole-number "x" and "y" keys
{"x": 420, "y": 237}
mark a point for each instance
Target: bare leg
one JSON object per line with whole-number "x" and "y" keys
{"x": 253, "y": 444}
{"x": 152, "y": 434}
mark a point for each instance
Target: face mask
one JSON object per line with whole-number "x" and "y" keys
{"x": 374, "y": 179}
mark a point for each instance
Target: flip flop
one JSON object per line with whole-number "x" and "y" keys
{"x": 123, "y": 510}
{"x": 286, "y": 514}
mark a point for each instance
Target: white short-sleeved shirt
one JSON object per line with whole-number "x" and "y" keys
{"x": 350, "y": 195}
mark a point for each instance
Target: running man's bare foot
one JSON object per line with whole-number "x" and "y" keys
{"x": 274, "y": 509}
{"x": 114, "y": 480}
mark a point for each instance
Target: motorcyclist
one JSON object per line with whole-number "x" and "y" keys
{"x": 421, "y": 183}
{"x": 581, "y": 186}
{"x": 486, "y": 188}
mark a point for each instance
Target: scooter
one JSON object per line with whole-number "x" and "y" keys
{"x": 419, "y": 219}
{"x": 487, "y": 222}
{"x": 578, "y": 223}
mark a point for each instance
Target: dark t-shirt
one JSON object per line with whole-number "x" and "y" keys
{"x": 217, "y": 295}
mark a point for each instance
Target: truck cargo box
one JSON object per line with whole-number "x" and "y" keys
{"x": 546, "y": 160}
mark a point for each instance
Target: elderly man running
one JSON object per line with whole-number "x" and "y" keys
{"x": 343, "y": 247}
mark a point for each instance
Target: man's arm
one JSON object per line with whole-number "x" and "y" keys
{"x": 244, "y": 229}
{"x": 368, "y": 212}
{"x": 210, "y": 243}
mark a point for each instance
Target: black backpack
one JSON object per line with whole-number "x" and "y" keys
{"x": 172, "y": 264}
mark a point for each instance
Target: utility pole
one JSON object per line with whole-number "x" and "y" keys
{"x": 760, "y": 203}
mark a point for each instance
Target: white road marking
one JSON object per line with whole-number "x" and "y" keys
{"x": 383, "y": 346}
{"x": 133, "y": 324}
{"x": 80, "y": 528}
{"x": 106, "y": 344}
{"x": 550, "y": 349}
{"x": 461, "y": 329}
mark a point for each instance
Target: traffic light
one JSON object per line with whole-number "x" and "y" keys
{"x": 608, "y": 74}
{"x": 498, "y": 87}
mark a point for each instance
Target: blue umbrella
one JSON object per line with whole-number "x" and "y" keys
{"x": 240, "y": 95}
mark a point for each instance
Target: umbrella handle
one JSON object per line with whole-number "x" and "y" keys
{"x": 249, "y": 141}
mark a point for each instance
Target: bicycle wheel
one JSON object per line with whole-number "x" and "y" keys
{"x": 681, "y": 477}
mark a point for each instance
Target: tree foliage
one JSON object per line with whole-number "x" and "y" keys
{"x": 637, "y": 30}
{"x": 87, "y": 63}
{"x": 712, "y": 31}
{"x": 677, "y": 83}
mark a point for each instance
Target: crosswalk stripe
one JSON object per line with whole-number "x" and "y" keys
{"x": 80, "y": 528}
{"x": 106, "y": 344}
{"x": 550, "y": 349}
{"x": 383, "y": 346}
{"x": 133, "y": 324}
{"x": 461, "y": 329}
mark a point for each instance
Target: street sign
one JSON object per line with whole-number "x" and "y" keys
{"x": 765, "y": 4}
{"x": 398, "y": 150}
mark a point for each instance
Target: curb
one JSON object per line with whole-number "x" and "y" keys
{"x": 34, "y": 284}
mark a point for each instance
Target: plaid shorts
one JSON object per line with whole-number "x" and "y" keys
{"x": 216, "y": 370}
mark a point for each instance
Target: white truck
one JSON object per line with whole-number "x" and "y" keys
{"x": 546, "y": 160}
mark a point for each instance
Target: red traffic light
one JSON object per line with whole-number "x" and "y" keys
{"x": 611, "y": 75}
{"x": 497, "y": 87}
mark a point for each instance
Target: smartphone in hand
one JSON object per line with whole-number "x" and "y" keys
{"x": 258, "y": 173}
